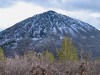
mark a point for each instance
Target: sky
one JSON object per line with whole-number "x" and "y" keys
{"x": 14, "y": 11}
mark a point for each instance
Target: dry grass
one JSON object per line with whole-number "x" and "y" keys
{"x": 41, "y": 66}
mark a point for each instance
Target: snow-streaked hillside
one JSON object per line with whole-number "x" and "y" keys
{"x": 54, "y": 26}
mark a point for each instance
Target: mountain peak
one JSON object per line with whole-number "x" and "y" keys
{"x": 50, "y": 12}
{"x": 41, "y": 27}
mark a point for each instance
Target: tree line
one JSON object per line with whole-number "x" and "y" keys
{"x": 67, "y": 52}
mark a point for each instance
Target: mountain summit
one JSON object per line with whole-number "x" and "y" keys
{"x": 46, "y": 30}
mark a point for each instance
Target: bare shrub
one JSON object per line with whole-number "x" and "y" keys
{"x": 42, "y": 66}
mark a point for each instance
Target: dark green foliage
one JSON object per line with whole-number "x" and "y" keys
{"x": 8, "y": 43}
{"x": 67, "y": 52}
{"x": 1, "y": 38}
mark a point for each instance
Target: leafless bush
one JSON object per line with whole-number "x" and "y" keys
{"x": 42, "y": 66}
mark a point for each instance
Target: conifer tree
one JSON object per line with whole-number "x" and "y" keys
{"x": 67, "y": 52}
{"x": 48, "y": 55}
{"x": 2, "y": 58}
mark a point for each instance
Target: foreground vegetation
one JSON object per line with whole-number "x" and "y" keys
{"x": 67, "y": 62}
{"x": 42, "y": 66}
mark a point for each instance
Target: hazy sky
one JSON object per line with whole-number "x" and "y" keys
{"x": 13, "y": 11}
